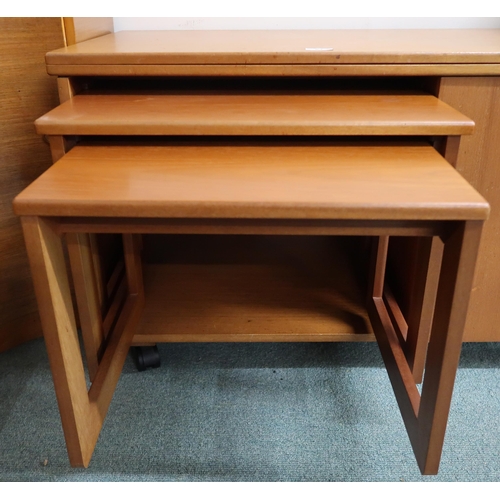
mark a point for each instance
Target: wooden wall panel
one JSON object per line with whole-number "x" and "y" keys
{"x": 479, "y": 163}
{"x": 26, "y": 93}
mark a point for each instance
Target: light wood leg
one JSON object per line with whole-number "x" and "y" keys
{"x": 132, "y": 247}
{"x": 448, "y": 146}
{"x": 101, "y": 285}
{"x": 419, "y": 279}
{"x": 87, "y": 297}
{"x": 389, "y": 342}
{"x": 425, "y": 416}
{"x": 60, "y": 145}
{"x": 451, "y": 149}
{"x": 421, "y": 311}
{"x": 68, "y": 87}
{"x": 379, "y": 263}
{"x": 455, "y": 284}
{"x": 45, "y": 251}
{"x": 82, "y": 412}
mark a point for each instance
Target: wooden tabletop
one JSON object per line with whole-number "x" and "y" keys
{"x": 253, "y": 114}
{"x": 323, "y": 181}
{"x": 284, "y": 47}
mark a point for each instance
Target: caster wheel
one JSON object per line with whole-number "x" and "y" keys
{"x": 146, "y": 357}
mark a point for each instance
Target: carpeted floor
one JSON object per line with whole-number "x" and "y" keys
{"x": 250, "y": 412}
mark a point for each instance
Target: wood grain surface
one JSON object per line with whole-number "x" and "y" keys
{"x": 355, "y": 113}
{"x": 479, "y": 162}
{"x": 272, "y": 181}
{"x": 298, "y": 70}
{"x": 285, "y": 47}
{"x": 252, "y": 288}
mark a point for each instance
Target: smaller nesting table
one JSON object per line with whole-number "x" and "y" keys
{"x": 267, "y": 188}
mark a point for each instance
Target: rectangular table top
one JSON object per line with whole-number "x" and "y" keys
{"x": 270, "y": 181}
{"x": 233, "y": 113}
{"x": 284, "y": 47}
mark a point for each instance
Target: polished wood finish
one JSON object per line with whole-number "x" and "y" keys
{"x": 247, "y": 191}
{"x": 444, "y": 53}
{"x": 452, "y": 147}
{"x": 421, "y": 307}
{"x": 66, "y": 88}
{"x": 455, "y": 282}
{"x": 88, "y": 299}
{"x": 302, "y": 227}
{"x": 283, "y": 52}
{"x": 357, "y": 188}
{"x": 358, "y": 70}
{"x": 26, "y": 93}
{"x": 426, "y": 415}
{"x": 346, "y": 113}
{"x": 48, "y": 268}
{"x": 411, "y": 182}
{"x": 82, "y": 411}
{"x": 368, "y": 47}
{"x": 59, "y": 146}
{"x": 377, "y": 277}
{"x": 478, "y": 161}
{"x": 132, "y": 249}
{"x": 253, "y": 288}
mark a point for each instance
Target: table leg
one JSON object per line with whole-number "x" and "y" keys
{"x": 455, "y": 284}
{"x": 87, "y": 297}
{"x": 82, "y": 411}
{"x": 426, "y": 415}
{"x": 421, "y": 312}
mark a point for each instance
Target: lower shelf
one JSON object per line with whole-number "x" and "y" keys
{"x": 253, "y": 289}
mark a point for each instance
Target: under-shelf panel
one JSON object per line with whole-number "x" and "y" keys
{"x": 253, "y": 289}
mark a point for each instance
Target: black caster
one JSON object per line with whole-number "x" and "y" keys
{"x": 146, "y": 357}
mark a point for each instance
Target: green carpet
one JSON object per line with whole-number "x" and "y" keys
{"x": 250, "y": 412}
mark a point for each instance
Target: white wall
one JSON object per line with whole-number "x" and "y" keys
{"x": 227, "y": 23}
